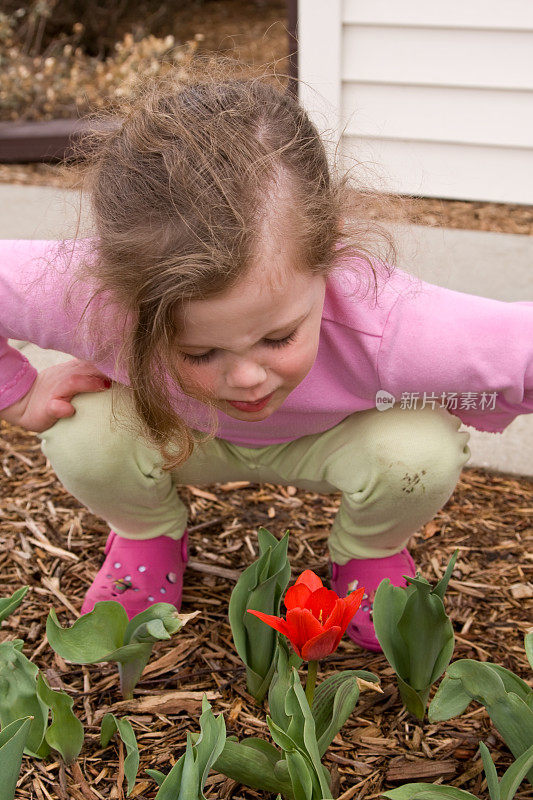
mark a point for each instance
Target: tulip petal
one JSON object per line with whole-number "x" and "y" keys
{"x": 351, "y": 604}
{"x": 336, "y": 616}
{"x": 321, "y": 603}
{"x": 310, "y": 579}
{"x": 277, "y": 623}
{"x": 302, "y": 626}
{"x": 297, "y": 595}
{"x": 322, "y": 645}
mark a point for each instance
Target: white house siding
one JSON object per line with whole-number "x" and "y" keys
{"x": 440, "y": 95}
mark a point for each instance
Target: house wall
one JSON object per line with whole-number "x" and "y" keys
{"x": 438, "y": 96}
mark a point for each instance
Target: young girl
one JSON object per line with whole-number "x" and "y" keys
{"x": 226, "y": 290}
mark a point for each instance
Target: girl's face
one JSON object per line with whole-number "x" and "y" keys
{"x": 259, "y": 339}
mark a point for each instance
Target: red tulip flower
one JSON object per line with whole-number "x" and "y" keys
{"x": 316, "y": 616}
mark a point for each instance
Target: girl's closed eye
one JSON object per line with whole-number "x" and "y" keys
{"x": 204, "y": 357}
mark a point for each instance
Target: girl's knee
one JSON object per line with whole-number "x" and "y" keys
{"x": 425, "y": 446}
{"x": 74, "y": 444}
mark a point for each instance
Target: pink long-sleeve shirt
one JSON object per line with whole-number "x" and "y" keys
{"x": 421, "y": 344}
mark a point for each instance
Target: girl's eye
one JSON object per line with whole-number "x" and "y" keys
{"x": 204, "y": 357}
{"x": 281, "y": 342}
{"x": 198, "y": 359}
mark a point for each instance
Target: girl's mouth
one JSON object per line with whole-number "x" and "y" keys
{"x": 260, "y": 404}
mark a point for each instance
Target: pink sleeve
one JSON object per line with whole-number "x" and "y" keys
{"x": 470, "y": 354}
{"x": 33, "y": 278}
{"x": 16, "y": 375}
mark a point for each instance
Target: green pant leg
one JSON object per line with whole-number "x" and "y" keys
{"x": 111, "y": 470}
{"x": 395, "y": 469}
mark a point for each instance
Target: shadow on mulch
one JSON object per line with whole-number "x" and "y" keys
{"x": 49, "y": 541}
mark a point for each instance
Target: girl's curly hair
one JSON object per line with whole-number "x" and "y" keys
{"x": 180, "y": 179}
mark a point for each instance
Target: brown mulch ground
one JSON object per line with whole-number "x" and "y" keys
{"x": 53, "y": 544}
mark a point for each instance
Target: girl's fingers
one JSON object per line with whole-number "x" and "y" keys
{"x": 75, "y": 384}
{"x": 59, "y": 408}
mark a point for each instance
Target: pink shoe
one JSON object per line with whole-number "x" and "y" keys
{"x": 138, "y": 573}
{"x": 369, "y": 572}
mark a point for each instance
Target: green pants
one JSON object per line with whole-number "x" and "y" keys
{"x": 395, "y": 469}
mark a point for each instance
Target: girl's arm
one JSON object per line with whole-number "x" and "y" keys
{"x": 16, "y": 375}
{"x": 470, "y": 354}
{"x": 49, "y": 397}
{"x": 33, "y": 281}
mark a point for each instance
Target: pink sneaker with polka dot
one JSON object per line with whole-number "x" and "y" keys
{"x": 140, "y": 572}
{"x": 369, "y": 572}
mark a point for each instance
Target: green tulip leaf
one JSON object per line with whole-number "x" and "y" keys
{"x": 300, "y": 775}
{"x": 211, "y": 742}
{"x": 154, "y": 624}
{"x": 9, "y": 604}
{"x": 389, "y": 605}
{"x": 262, "y": 746}
{"x": 442, "y": 585}
{"x": 156, "y": 775}
{"x": 528, "y": 643}
{"x": 280, "y": 737}
{"x": 479, "y": 680}
{"x": 516, "y": 773}
{"x": 512, "y": 682}
{"x": 302, "y": 730}
{"x": 106, "y": 635}
{"x": 425, "y": 629}
{"x": 445, "y": 655}
{"x": 490, "y": 772}
{"x": 187, "y": 778}
{"x": 281, "y": 770}
{"x": 450, "y": 700}
{"x": 112, "y": 724}
{"x": 281, "y": 682}
{"x": 513, "y": 720}
{"x": 256, "y": 684}
{"x": 93, "y": 637}
{"x": 176, "y": 785}
{"x": 251, "y": 764}
{"x": 13, "y": 738}
{"x": 423, "y": 791}
{"x": 414, "y": 701}
{"x": 260, "y": 587}
{"x": 415, "y": 633}
{"x": 511, "y": 715}
{"x": 18, "y": 697}
{"x": 65, "y": 734}
{"x": 333, "y": 703}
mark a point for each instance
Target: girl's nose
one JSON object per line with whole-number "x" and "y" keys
{"x": 245, "y": 374}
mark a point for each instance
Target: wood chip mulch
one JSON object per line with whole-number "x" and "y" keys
{"x": 53, "y": 544}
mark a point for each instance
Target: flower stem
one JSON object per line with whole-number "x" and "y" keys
{"x": 312, "y": 669}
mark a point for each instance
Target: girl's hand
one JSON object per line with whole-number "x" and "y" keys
{"x": 49, "y": 398}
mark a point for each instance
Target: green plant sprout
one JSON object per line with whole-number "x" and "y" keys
{"x": 186, "y": 779}
{"x": 9, "y": 604}
{"x": 260, "y": 587}
{"x": 416, "y": 635}
{"x": 334, "y": 699}
{"x": 498, "y": 790}
{"x": 65, "y": 734}
{"x": 112, "y": 725}
{"x": 19, "y": 698}
{"x": 303, "y": 735}
{"x": 507, "y": 698}
{"x": 106, "y": 635}
{"x": 13, "y": 740}
{"x": 25, "y": 693}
